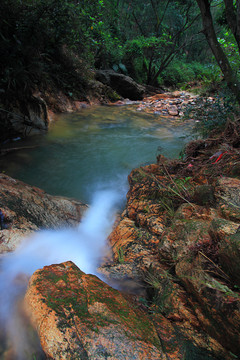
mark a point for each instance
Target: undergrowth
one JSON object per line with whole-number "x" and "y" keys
{"x": 211, "y": 113}
{"x": 160, "y": 289}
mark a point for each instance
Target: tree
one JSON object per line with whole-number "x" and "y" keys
{"x": 156, "y": 33}
{"x": 232, "y": 17}
{"x": 40, "y": 44}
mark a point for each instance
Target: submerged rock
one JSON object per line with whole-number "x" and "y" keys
{"x": 25, "y": 209}
{"x": 77, "y": 316}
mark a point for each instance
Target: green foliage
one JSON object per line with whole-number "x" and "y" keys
{"x": 178, "y": 73}
{"x": 142, "y": 55}
{"x": 229, "y": 44}
{"x": 183, "y": 74}
{"x": 61, "y": 41}
{"x": 120, "y": 253}
{"x": 161, "y": 286}
{"x": 40, "y": 40}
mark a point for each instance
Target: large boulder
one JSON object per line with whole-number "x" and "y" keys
{"x": 122, "y": 84}
{"x": 77, "y": 316}
{"x": 24, "y": 118}
{"x": 24, "y": 209}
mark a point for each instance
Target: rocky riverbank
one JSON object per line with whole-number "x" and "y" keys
{"x": 33, "y": 115}
{"x": 179, "y": 234}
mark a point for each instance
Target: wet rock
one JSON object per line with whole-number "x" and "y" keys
{"x": 122, "y": 84}
{"x": 172, "y": 110}
{"x": 124, "y": 276}
{"x": 180, "y": 344}
{"x": 101, "y": 93}
{"x": 26, "y": 209}
{"x": 77, "y": 316}
{"x": 167, "y": 104}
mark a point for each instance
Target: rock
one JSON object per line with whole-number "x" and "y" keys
{"x": 77, "y": 316}
{"x": 229, "y": 255}
{"x": 227, "y": 235}
{"x": 26, "y": 209}
{"x": 190, "y": 229}
{"x": 181, "y": 345}
{"x": 218, "y": 304}
{"x": 102, "y": 92}
{"x": 172, "y": 236}
{"x": 172, "y": 110}
{"x": 24, "y": 118}
{"x": 228, "y": 197}
{"x": 204, "y": 195}
{"x": 122, "y": 84}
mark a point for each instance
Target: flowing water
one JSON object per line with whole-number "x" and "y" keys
{"x": 95, "y": 148}
{"x": 86, "y": 156}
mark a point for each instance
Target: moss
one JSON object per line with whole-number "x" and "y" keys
{"x": 112, "y": 95}
{"x": 70, "y": 303}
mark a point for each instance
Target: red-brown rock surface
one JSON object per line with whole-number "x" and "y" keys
{"x": 180, "y": 235}
{"x": 77, "y": 316}
{"x": 26, "y": 209}
{"x": 167, "y": 104}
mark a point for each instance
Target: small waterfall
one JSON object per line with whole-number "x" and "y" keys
{"x": 85, "y": 245}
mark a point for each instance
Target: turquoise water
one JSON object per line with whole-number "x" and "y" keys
{"x": 94, "y": 149}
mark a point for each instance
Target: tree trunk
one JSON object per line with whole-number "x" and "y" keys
{"x": 221, "y": 58}
{"x": 233, "y": 19}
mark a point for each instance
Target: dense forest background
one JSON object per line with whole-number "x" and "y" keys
{"x": 173, "y": 43}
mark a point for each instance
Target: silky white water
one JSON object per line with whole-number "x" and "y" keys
{"x": 84, "y": 245}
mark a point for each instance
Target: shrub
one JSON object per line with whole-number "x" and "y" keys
{"x": 179, "y": 73}
{"x": 211, "y": 113}
{"x": 33, "y": 35}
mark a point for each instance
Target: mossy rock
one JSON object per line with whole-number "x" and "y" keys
{"x": 229, "y": 255}
{"x": 78, "y": 316}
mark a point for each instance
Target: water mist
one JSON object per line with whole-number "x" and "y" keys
{"x": 84, "y": 245}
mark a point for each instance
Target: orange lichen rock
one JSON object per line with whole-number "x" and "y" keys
{"x": 78, "y": 316}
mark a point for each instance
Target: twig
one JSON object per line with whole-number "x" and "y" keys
{"x": 226, "y": 277}
{"x": 169, "y": 188}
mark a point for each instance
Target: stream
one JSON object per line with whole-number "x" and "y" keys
{"x": 86, "y": 156}
{"x": 96, "y": 148}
